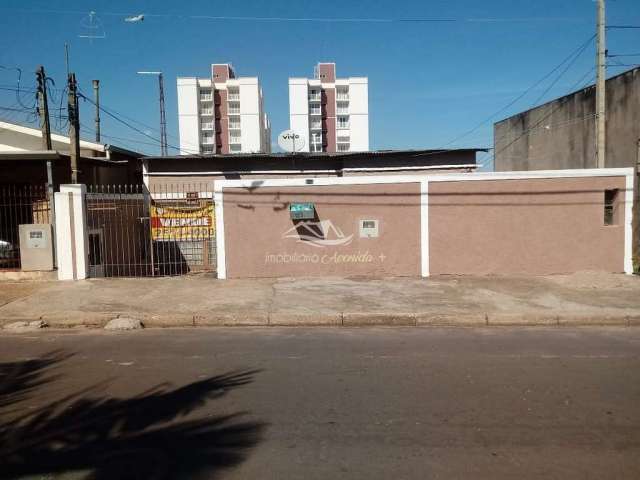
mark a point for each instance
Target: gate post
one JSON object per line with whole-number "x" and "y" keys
{"x": 72, "y": 236}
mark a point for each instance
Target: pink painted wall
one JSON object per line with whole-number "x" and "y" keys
{"x": 257, "y": 245}
{"x": 327, "y": 72}
{"x": 222, "y": 121}
{"x": 329, "y": 118}
{"x": 528, "y": 227}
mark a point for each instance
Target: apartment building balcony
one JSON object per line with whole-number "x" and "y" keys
{"x": 317, "y": 125}
{"x": 235, "y": 139}
{"x": 342, "y": 108}
{"x": 342, "y": 125}
{"x": 342, "y": 139}
{"x": 342, "y": 147}
{"x": 234, "y": 125}
{"x": 206, "y": 111}
{"x": 207, "y": 141}
{"x": 206, "y": 126}
{"x": 234, "y": 110}
{"x": 206, "y": 95}
{"x": 315, "y": 111}
{"x": 233, "y": 97}
{"x": 342, "y": 93}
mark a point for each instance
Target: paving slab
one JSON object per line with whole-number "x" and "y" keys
{"x": 200, "y": 300}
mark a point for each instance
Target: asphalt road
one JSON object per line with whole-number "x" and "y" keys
{"x": 325, "y": 403}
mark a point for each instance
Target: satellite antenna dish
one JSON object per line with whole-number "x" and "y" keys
{"x": 92, "y": 27}
{"x": 291, "y": 141}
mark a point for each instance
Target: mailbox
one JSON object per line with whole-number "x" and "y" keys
{"x": 302, "y": 211}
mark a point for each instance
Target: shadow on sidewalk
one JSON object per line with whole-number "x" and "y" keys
{"x": 141, "y": 437}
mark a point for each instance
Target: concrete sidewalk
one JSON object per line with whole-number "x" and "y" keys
{"x": 581, "y": 299}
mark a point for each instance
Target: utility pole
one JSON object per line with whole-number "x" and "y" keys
{"x": 43, "y": 108}
{"x": 96, "y": 100}
{"x": 45, "y": 127}
{"x": 163, "y": 120}
{"x": 74, "y": 127}
{"x": 601, "y": 67}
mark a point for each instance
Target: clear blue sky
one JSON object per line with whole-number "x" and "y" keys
{"x": 428, "y": 82}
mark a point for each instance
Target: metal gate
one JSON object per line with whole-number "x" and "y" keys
{"x": 134, "y": 232}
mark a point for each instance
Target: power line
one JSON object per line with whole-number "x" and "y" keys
{"x": 575, "y": 58}
{"x": 115, "y": 117}
{"x": 495, "y": 152}
{"x": 372, "y": 20}
{"x": 577, "y": 51}
{"x": 154, "y": 129}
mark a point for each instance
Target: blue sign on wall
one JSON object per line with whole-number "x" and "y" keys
{"x": 302, "y": 211}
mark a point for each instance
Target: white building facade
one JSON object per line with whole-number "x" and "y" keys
{"x": 222, "y": 114}
{"x": 332, "y": 113}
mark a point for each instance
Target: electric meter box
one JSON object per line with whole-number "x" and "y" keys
{"x": 36, "y": 247}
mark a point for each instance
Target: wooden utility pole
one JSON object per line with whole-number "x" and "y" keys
{"x": 96, "y": 100}
{"x": 74, "y": 127}
{"x": 601, "y": 67}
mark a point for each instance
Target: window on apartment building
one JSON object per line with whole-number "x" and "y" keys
{"x": 207, "y": 148}
{"x": 205, "y": 94}
{"x": 315, "y": 109}
{"x": 342, "y": 93}
{"x": 343, "y": 122}
{"x": 233, "y": 94}
{"x": 316, "y": 147}
{"x": 343, "y": 147}
{"x": 610, "y": 200}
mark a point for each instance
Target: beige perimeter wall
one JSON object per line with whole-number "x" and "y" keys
{"x": 540, "y": 226}
{"x": 478, "y": 227}
{"x": 262, "y": 241}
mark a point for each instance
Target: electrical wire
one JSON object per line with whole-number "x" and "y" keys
{"x": 373, "y": 20}
{"x": 560, "y": 75}
{"x": 577, "y": 51}
{"x": 125, "y": 123}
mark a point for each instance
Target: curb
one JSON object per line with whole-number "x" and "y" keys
{"x": 337, "y": 319}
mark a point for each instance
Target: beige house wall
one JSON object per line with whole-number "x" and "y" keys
{"x": 256, "y": 222}
{"x": 528, "y": 227}
{"x": 463, "y": 224}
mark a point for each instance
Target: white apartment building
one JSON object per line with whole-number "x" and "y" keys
{"x": 332, "y": 113}
{"x": 222, "y": 114}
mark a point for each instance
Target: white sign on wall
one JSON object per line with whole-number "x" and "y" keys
{"x": 291, "y": 141}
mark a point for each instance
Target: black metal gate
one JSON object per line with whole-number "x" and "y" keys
{"x": 134, "y": 232}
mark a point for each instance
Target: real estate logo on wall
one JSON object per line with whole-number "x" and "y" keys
{"x": 318, "y": 234}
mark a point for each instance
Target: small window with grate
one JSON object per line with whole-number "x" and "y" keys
{"x": 610, "y": 199}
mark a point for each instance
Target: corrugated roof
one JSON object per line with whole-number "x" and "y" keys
{"x": 321, "y": 155}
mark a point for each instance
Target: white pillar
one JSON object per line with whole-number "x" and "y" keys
{"x": 72, "y": 239}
